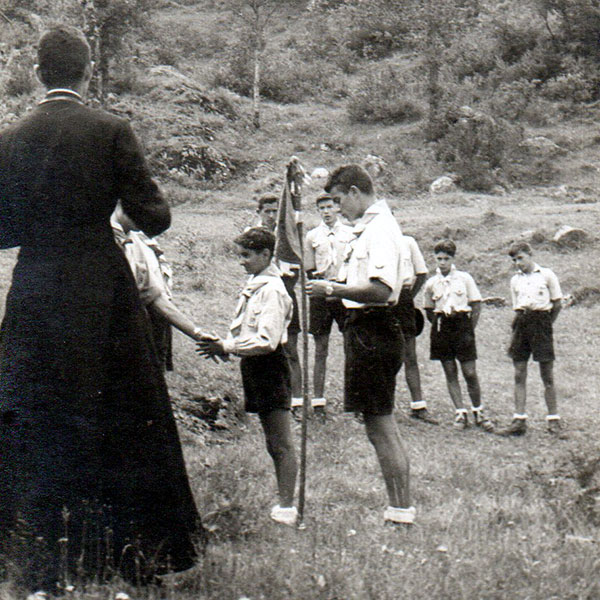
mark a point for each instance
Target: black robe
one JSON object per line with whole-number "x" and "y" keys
{"x": 89, "y": 449}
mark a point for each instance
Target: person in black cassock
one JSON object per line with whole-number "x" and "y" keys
{"x": 89, "y": 449}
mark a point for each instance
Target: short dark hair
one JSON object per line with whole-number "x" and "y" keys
{"x": 63, "y": 55}
{"x": 256, "y": 238}
{"x": 267, "y": 199}
{"x": 517, "y": 247}
{"x": 445, "y": 246}
{"x": 325, "y": 196}
{"x": 347, "y": 176}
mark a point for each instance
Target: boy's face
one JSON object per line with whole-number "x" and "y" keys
{"x": 444, "y": 262}
{"x": 328, "y": 210}
{"x": 523, "y": 262}
{"x": 268, "y": 215}
{"x": 254, "y": 261}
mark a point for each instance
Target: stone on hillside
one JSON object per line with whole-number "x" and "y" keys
{"x": 540, "y": 146}
{"x": 570, "y": 237}
{"x": 498, "y": 190}
{"x": 442, "y": 185}
{"x": 319, "y": 175}
{"x": 375, "y": 165}
{"x": 535, "y": 236}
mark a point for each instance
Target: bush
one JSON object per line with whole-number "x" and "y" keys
{"x": 382, "y": 96}
{"x": 477, "y": 148}
{"x": 20, "y": 81}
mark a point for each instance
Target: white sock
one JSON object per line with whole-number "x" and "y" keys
{"x": 461, "y": 411}
{"x": 296, "y": 402}
{"x": 553, "y": 418}
{"x": 418, "y": 405}
{"x": 522, "y": 417}
{"x": 318, "y": 402}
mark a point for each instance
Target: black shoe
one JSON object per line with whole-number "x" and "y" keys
{"x": 422, "y": 414}
{"x": 297, "y": 413}
{"x": 516, "y": 427}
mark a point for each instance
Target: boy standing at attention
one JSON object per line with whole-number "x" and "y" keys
{"x": 373, "y": 342}
{"x": 257, "y": 334}
{"x": 453, "y": 305}
{"x": 324, "y": 249}
{"x": 536, "y": 298}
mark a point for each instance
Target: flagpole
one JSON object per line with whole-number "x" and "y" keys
{"x": 295, "y": 177}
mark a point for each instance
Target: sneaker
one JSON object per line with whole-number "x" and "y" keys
{"x": 297, "y": 413}
{"x": 404, "y": 516}
{"x": 284, "y": 515}
{"x": 482, "y": 421}
{"x": 516, "y": 427}
{"x": 461, "y": 421}
{"x": 422, "y": 414}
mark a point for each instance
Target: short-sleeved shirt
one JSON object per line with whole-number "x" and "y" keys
{"x": 414, "y": 263}
{"x": 324, "y": 249}
{"x": 535, "y": 290}
{"x": 452, "y": 293}
{"x": 375, "y": 252}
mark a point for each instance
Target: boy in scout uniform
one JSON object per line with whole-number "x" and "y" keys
{"x": 324, "y": 250}
{"x": 453, "y": 305}
{"x": 373, "y": 341}
{"x": 536, "y": 298}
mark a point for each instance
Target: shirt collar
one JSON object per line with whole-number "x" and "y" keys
{"x": 452, "y": 271}
{"x": 62, "y": 94}
{"x": 536, "y": 269}
{"x": 377, "y": 208}
{"x": 257, "y": 281}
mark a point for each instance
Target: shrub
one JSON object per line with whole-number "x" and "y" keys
{"x": 20, "y": 81}
{"x": 382, "y": 96}
{"x": 478, "y": 148}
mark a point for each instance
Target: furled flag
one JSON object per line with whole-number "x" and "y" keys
{"x": 287, "y": 247}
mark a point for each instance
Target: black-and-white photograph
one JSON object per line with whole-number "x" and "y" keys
{"x": 299, "y": 299}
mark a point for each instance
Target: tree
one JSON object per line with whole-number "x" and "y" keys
{"x": 105, "y": 23}
{"x": 255, "y": 15}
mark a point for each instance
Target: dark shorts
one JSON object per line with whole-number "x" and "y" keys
{"x": 290, "y": 282}
{"x": 453, "y": 338}
{"x": 405, "y": 311}
{"x": 323, "y": 312}
{"x": 532, "y": 334}
{"x": 266, "y": 381}
{"x": 374, "y": 349}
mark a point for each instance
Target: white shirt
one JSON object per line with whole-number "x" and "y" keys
{"x": 262, "y": 316}
{"x": 376, "y": 252}
{"x": 324, "y": 249}
{"x": 452, "y": 293}
{"x": 535, "y": 290}
{"x": 414, "y": 263}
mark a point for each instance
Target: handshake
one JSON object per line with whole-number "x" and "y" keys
{"x": 211, "y": 346}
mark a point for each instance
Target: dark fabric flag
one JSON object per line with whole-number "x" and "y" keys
{"x": 287, "y": 247}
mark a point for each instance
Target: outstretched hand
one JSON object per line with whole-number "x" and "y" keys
{"x": 211, "y": 346}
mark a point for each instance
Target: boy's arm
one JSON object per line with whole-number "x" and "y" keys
{"x": 419, "y": 282}
{"x": 556, "y": 308}
{"x": 274, "y": 308}
{"x": 475, "y": 312}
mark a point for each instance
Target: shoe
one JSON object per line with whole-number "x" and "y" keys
{"x": 461, "y": 421}
{"x": 554, "y": 426}
{"x": 482, "y": 421}
{"x": 297, "y": 413}
{"x": 516, "y": 427}
{"x": 284, "y": 515}
{"x": 320, "y": 413}
{"x": 359, "y": 418}
{"x": 404, "y": 516}
{"x": 422, "y": 414}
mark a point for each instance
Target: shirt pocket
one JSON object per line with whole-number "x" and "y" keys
{"x": 254, "y": 317}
